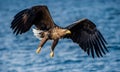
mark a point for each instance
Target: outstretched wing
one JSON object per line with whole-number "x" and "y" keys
{"x": 37, "y": 15}
{"x": 85, "y": 33}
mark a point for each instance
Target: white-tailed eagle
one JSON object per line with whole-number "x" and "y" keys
{"x": 82, "y": 32}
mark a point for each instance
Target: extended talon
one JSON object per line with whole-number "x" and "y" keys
{"x": 51, "y": 54}
{"x": 38, "y": 50}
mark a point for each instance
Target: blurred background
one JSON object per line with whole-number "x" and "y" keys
{"x": 17, "y": 53}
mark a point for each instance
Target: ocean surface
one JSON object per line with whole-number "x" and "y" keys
{"x": 17, "y": 53}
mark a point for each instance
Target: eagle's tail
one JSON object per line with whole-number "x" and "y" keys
{"x": 37, "y": 33}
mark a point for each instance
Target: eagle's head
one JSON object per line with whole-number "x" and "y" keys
{"x": 63, "y": 32}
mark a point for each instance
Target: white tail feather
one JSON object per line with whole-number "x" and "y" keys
{"x": 37, "y": 33}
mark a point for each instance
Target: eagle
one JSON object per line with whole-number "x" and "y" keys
{"x": 83, "y": 32}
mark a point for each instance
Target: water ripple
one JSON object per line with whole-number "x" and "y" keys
{"x": 17, "y": 53}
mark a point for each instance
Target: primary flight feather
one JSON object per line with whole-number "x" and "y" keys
{"x": 82, "y": 32}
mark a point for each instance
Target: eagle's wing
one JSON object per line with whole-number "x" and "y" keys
{"x": 85, "y": 33}
{"x": 37, "y": 15}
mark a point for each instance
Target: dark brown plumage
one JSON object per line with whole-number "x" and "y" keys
{"x": 82, "y": 32}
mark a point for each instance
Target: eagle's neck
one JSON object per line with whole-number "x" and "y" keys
{"x": 57, "y": 33}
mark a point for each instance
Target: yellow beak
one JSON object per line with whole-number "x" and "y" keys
{"x": 68, "y": 32}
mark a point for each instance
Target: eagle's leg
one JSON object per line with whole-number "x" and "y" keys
{"x": 43, "y": 41}
{"x": 53, "y": 47}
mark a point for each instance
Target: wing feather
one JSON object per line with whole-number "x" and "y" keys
{"x": 37, "y": 15}
{"x": 85, "y": 33}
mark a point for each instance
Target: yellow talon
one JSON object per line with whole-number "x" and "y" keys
{"x": 38, "y": 50}
{"x": 52, "y": 54}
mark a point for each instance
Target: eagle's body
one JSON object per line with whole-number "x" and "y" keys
{"x": 53, "y": 34}
{"x": 82, "y": 32}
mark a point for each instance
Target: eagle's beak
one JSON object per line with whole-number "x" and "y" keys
{"x": 68, "y": 32}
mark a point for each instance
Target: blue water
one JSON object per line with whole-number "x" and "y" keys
{"x": 17, "y": 53}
